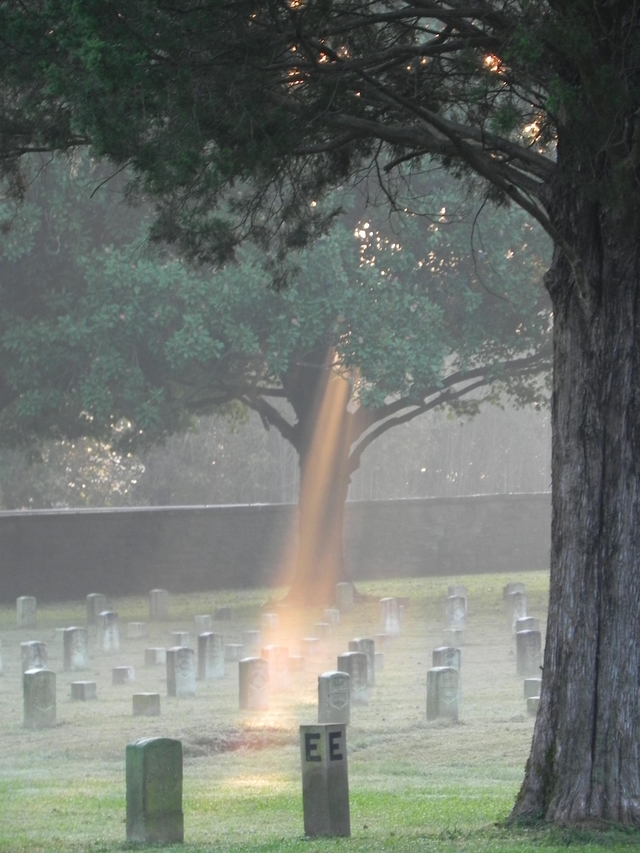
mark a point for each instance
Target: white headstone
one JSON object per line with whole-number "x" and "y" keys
{"x": 204, "y": 623}
{"x": 146, "y": 704}
{"x": 26, "y": 614}
{"x": 83, "y": 691}
{"x": 96, "y": 603}
{"x": 334, "y": 697}
{"x": 136, "y": 630}
{"x": 109, "y": 631}
{"x": 34, "y": 655}
{"x": 39, "y": 695}
{"x": 389, "y": 616}
{"x": 278, "y": 660}
{"x": 210, "y": 656}
{"x": 355, "y": 663}
{"x": 528, "y": 652}
{"x": 254, "y": 684}
{"x": 75, "y": 642}
{"x": 123, "y": 675}
{"x": 158, "y": 605}
{"x": 455, "y": 610}
{"x": 344, "y": 597}
{"x": 252, "y": 643}
{"x": 368, "y": 647}
{"x": 181, "y": 672}
{"x": 155, "y": 657}
{"x": 442, "y": 693}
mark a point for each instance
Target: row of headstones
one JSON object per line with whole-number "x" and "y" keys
{"x": 528, "y": 643}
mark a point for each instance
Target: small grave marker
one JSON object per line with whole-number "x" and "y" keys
{"x": 155, "y": 657}
{"x": 180, "y": 638}
{"x": 446, "y": 656}
{"x": 455, "y": 611}
{"x": 252, "y": 643}
{"x": 109, "y": 631}
{"x": 269, "y": 621}
{"x": 146, "y": 704}
{"x": 210, "y": 656}
{"x": 83, "y": 691}
{"x": 39, "y": 695}
{"x": 331, "y": 615}
{"x": 96, "y": 603}
{"x": 355, "y": 663}
{"x": 233, "y": 652}
{"x": 528, "y": 652}
{"x": 389, "y": 616}
{"x": 334, "y": 697}
{"x": 442, "y": 693}
{"x": 154, "y": 791}
{"x": 158, "y": 605}
{"x": 254, "y": 684}
{"x": 325, "y": 780}
{"x": 368, "y": 647}
{"x": 278, "y": 659}
{"x": 181, "y": 672}
{"x": 344, "y": 597}
{"x": 532, "y": 687}
{"x": 527, "y": 623}
{"x": 123, "y": 675}
{"x": 75, "y": 649}
{"x": 533, "y": 704}
{"x": 34, "y": 655}
{"x": 26, "y": 612}
{"x": 204, "y": 623}
{"x": 136, "y": 630}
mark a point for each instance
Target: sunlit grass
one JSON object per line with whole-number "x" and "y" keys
{"x": 416, "y": 787}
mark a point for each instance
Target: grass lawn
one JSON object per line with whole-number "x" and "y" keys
{"x": 415, "y": 786}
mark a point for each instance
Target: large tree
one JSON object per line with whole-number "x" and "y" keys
{"x": 262, "y": 105}
{"x": 376, "y": 327}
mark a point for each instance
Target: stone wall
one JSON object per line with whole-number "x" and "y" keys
{"x": 58, "y": 555}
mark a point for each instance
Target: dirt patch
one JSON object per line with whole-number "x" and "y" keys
{"x": 230, "y": 739}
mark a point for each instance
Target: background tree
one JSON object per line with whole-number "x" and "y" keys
{"x": 375, "y": 329}
{"x": 263, "y": 105}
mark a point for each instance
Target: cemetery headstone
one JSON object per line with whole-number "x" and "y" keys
{"x": 155, "y": 657}
{"x": 331, "y": 615}
{"x": 345, "y": 597}
{"x": 154, "y": 791}
{"x": 446, "y": 656}
{"x": 146, "y": 704}
{"x": 278, "y": 660}
{"x": 383, "y": 641}
{"x": 513, "y": 586}
{"x": 96, "y": 603}
{"x": 204, "y": 623}
{"x": 210, "y": 656}
{"x": 269, "y": 621}
{"x": 136, "y": 630}
{"x": 323, "y": 630}
{"x": 457, "y": 589}
{"x": 325, "y": 780}
{"x": 516, "y": 607}
{"x": 533, "y": 704}
{"x": 528, "y": 652}
{"x": 109, "y": 631}
{"x": 442, "y": 693}
{"x": 123, "y": 675}
{"x": 158, "y": 605}
{"x": 34, "y": 655}
{"x": 453, "y": 637}
{"x": 180, "y": 638}
{"x": 368, "y": 647}
{"x": 181, "y": 672}
{"x": 254, "y": 684}
{"x": 355, "y": 663}
{"x": 75, "y": 649}
{"x": 233, "y": 652}
{"x": 532, "y": 687}
{"x": 252, "y": 643}
{"x": 26, "y": 613}
{"x": 455, "y": 610}
{"x": 389, "y": 616}
{"x": 379, "y": 661}
{"x": 310, "y": 646}
{"x": 527, "y": 623}
{"x": 83, "y": 691}
{"x": 334, "y": 697}
{"x": 39, "y": 695}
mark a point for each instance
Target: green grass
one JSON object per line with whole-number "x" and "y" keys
{"x": 416, "y": 787}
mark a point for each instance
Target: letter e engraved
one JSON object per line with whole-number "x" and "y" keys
{"x": 310, "y": 747}
{"x": 334, "y": 746}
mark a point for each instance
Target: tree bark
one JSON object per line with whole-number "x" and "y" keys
{"x": 584, "y": 765}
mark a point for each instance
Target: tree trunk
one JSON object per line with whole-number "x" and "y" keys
{"x": 584, "y": 765}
